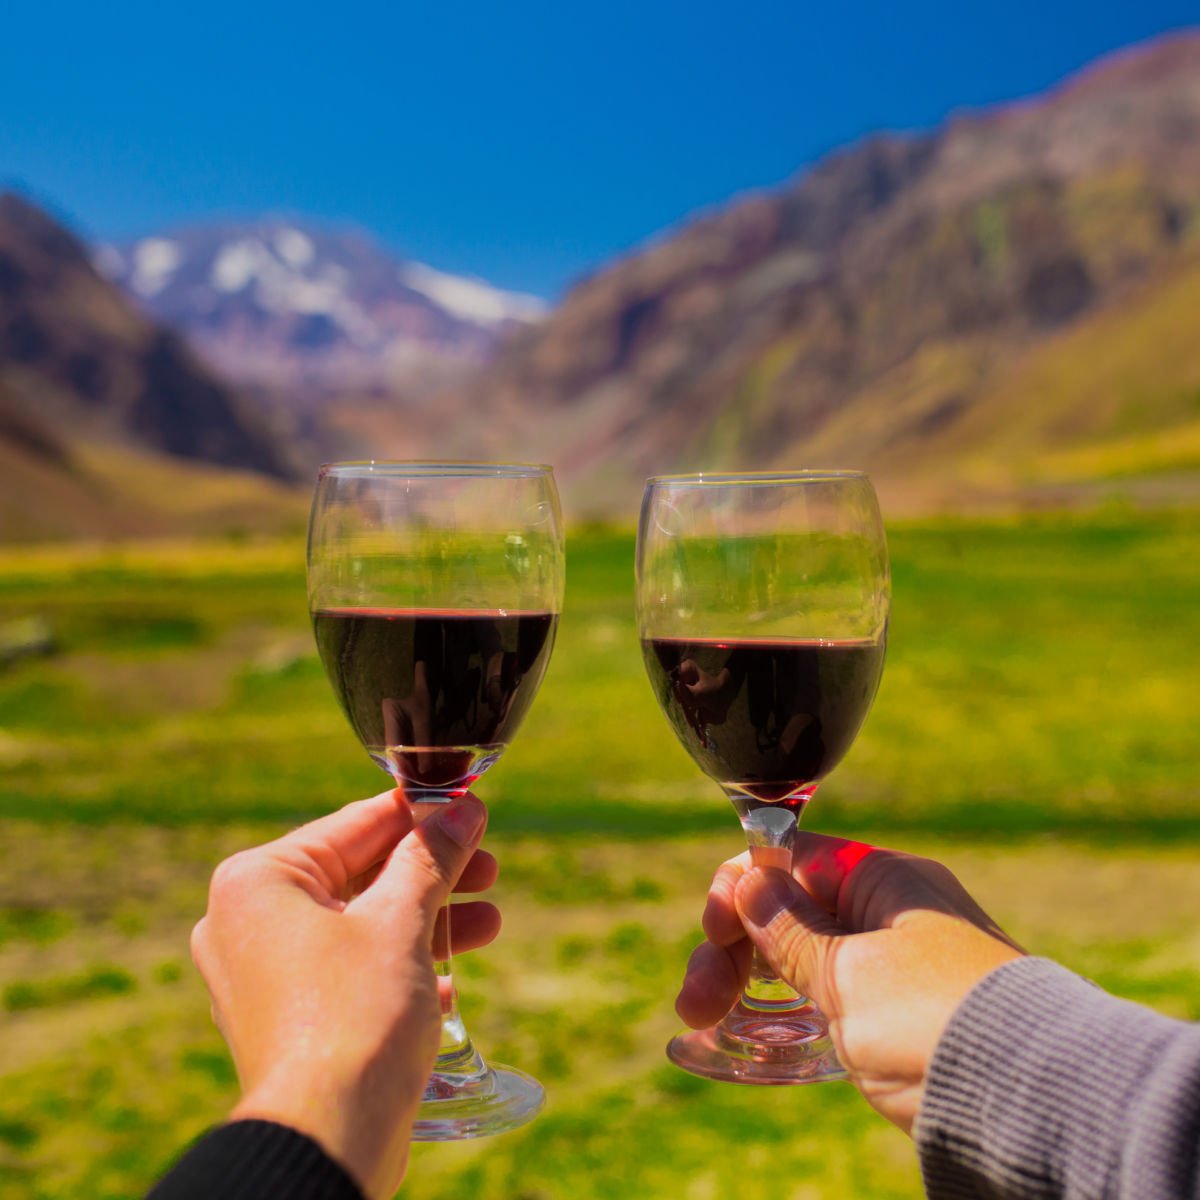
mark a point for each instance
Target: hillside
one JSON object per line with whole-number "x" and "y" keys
{"x": 995, "y": 314}
{"x": 110, "y": 493}
{"x": 94, "y": 399}
{"x": 1108, "y": 405}
{"x": 53, "y": 486}
{"x": 892, "y": 309}
{"x": 73, "y": 351}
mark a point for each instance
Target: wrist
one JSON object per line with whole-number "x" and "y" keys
{"x": 357, "y": 1129}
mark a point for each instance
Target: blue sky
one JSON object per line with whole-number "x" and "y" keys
{"x": 523, "y": 142}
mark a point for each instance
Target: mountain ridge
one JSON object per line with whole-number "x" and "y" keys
{"x": 286, "y": 301}
{"x": 85, "y": 381}
{"x": 747, "y": 336}
{"x": 993, "y": 314}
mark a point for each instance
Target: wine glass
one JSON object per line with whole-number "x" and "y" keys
{"x": 435, "y": 589}
{"x": 762, "y": 605}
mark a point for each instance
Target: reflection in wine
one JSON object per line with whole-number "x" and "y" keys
{"x": 434, "y": 695}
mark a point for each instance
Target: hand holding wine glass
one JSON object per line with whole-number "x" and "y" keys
{"x": 888, "y": 944}
{"x": 318, "y": 951}
{"x": 435, "y": 590}
{"x": 762, "y": 606}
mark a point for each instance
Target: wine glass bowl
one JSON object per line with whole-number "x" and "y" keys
{"x": 435, "y": 590}
{"x": 762, "y": 604}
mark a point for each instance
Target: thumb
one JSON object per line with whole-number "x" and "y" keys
{"x": 791, "y": 930}
{"x": 423, "y": 869}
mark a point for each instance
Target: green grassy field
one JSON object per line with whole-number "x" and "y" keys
{"x": 1036, "y": 728}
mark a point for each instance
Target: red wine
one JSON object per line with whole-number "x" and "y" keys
{"x": 434, "y": 695}
{"x": 768, "y": 717}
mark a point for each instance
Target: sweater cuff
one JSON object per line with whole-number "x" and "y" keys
{"x": 254, "y": 1160}
{"x": 1031, "y": 1085}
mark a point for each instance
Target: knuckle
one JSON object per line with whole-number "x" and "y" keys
{"x": 727, "y": 875}
{"x": 940, "y": 873}
{"x": 198, "y": 943}
{"x": 797, "y": 950}
{"x": 428, "y": 863}
{"x": 697, "y": 959}
{"x": 232, "y": 875}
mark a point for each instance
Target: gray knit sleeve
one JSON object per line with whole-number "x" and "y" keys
{"x": 1045, "y": 1086}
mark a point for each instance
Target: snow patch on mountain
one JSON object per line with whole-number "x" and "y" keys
{"x": 472, "y": 299}
{"x": 155, "y": 260}
{"x": 283, "y": 301}
{"x": 237, "y": 265}
{"x": 294, "y": 247}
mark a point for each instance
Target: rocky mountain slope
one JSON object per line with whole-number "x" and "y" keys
{"x": 86, "y": 382}
{"x": 879, "y": 311}
{"x": 999, "y": 313}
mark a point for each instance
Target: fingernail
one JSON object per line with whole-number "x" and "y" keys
{"x": 763, "y": 896}
{"x": 461, "y": 820}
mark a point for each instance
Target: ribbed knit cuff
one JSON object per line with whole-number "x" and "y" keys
{"x": 256, "y": 1160}
{"x": 1033, "y": 1086}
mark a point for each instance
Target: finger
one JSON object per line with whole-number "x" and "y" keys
{"x": 427, "y": 864}
{"x": 721, "y": 923}
{"x": 479, "y": 874}
{"x": 473, "y": 924}
{"x": 714, "y": 979}
{"x": 348, "y": 843}
{"x": 824, "y": 863}
{"x": 793, "y": 932}
{"x": 360, "y": 883}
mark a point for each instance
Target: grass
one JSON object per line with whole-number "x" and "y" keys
{"x": 1036, "y": 728}
{"x": 66, "y": 989}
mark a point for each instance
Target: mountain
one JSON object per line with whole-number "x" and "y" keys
{"x": 104, "y": 490}
{"x": 997, "y": 313}
{"x": 892, "y": 309}
{"x": 282, "y": 302}
{"x": 75, "y": 354}
{"x": 89, "y": 389}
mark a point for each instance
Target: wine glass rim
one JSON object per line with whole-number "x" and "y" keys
{"x": 752, "y": 478}
{"x": 463, "y": 468}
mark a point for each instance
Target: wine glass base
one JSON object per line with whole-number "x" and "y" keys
{"x": 703, "y": 1052}
{"x": 503, "y": 1099}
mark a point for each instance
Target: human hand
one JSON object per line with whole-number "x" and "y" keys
{"x": 886, "y": 943}
{"x": 318, "y": 952}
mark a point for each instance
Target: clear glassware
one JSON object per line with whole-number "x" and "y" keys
{"x": 762, "y": 603}
{"x": 435, "y": 590}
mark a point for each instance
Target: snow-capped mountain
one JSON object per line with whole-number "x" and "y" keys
{"x": 284, "y": 301}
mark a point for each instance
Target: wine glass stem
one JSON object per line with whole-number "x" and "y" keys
{"x": 770, "y": 835}
{"x": 458, "y": 1062}
{"x": 455, "y": 1042}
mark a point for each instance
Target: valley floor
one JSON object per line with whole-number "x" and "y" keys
{"x": 1036, "y": 729}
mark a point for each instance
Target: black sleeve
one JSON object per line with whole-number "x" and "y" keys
{"x": 255, "y": 1160}
{"x": 1043, "y": 1086}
